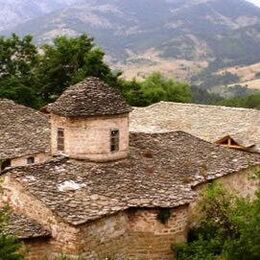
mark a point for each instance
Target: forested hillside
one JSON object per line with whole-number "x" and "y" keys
{"x": 211, "y": 44}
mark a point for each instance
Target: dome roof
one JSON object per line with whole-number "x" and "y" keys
{"x": 91, "y": 97}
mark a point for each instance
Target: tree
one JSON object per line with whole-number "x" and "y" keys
{"x": 18, "y": 59}
{"x": 251, "y": 101}
{"x": 155, "y": 88}
{"x": 9, "y": 245}
{"x": 228, "y": 227}
{"x": 68, "y": 61}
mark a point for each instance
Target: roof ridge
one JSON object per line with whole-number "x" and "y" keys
{"x": 201, "y": 105}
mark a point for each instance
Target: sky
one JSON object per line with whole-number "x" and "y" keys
{"x": 256, "y": 2}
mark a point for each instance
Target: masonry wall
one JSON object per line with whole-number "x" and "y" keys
{"x": 136, "y": 234}
{"x": 241, "y": 183}
{"x": 22, "y": 161}
{"x": 132, "y": 234}
{"x": 65, "y": 237}
{"x": 89, "y": 138}
{"x": 106, "y": 238}
{"x": 36, "y": 249}
{"x": 149, "y": 239}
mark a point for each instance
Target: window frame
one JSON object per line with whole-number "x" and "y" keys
{"x": 60, "y": 139}
{"x": 114, "y": 140}
{"x": 30, "y": 160}
{"x": 6, "y": 164}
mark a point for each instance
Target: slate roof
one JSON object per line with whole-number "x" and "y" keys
{"x": 160, "y": 172}
{"x": 25, "y": 228}
{"x": 91, "y": 97}
{"x": 211, "y": 123}
{"x": 23, "y": 130}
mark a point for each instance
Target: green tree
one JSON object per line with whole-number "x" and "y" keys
{"x": 158, "y": 88}
{"x": 228, "y": 227}
{"x": 251, "y": 101}
{"x": 68, "y": 61}
{"x": 9, "y": 245}
{"x": 18, "y": 80}
{"x": 153, "y": 89}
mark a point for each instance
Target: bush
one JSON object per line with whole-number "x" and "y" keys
{"x": 227, "y": 227}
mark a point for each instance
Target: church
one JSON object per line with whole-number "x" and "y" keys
{"x": 101, "y": 193}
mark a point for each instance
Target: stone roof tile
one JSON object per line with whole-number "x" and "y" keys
{"x": 210, "y": 123}
{"x": 91, "y": 97}
{"x": 25, "y": 228}
{"x": 23, "y": 130}
{"x": 160, "y": 172}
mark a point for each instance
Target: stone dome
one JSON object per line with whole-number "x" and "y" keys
{"x": 91, "y": 97}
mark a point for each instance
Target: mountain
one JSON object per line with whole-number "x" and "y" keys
{"x": 180, "y": 37}
{"x": 14, "y": 12}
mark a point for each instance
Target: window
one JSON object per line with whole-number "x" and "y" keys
{"x": 114, "y": 140}
{"x": 5, "y": 164}
{"x": 60, "y": 139}
{"x": 30, "y": 160}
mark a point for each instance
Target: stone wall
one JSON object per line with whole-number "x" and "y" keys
{"x": 22, "y": 161}
{"x": 240, "y": 183}
{"x": 89, "y": 138}
{"x": 65, "y": 237}
{"x": 150, "y": 239}
{"x": 132, "y": 234}
{"x": 36, "y": 249}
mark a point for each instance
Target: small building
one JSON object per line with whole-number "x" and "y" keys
{"x": 90, "y": 121}
{"x": 214, "y": 124}
{"x": 104, "y": 192}
{"x": 25, "y": 135}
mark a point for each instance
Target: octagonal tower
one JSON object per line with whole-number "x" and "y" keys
{"x": 90, "y": 120}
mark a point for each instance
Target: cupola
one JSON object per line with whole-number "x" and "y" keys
{"x": 90, "y": 120}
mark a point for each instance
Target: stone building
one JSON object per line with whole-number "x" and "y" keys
{"x": 102, "y": 194}
{"x": 24, "y": 135}
{"x": 237, "y": 128}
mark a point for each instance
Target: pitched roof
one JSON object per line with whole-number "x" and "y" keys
{"x": 91, "y": 97}
{"x": 23, "y": 130}
{"x": 25, "y": 228}
{"x": 210, "y": 123}
{"x": 160, "y": 172}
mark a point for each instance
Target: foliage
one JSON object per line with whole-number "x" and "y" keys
{"x": 208, "y": 80}
{"x": 257, "y": 75}
{"x": 228, "y": 227}
{"x": 155, "y": 88}
{"x": 164, "y": 215}
{"x": 69, "y": 61}
{"x": 202, "y": 96}
{"x": 18, "y": 60}
{"x": 9, "y": 245}
{"x": 34, "y": 77}
{"x": 251, "y": 101}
